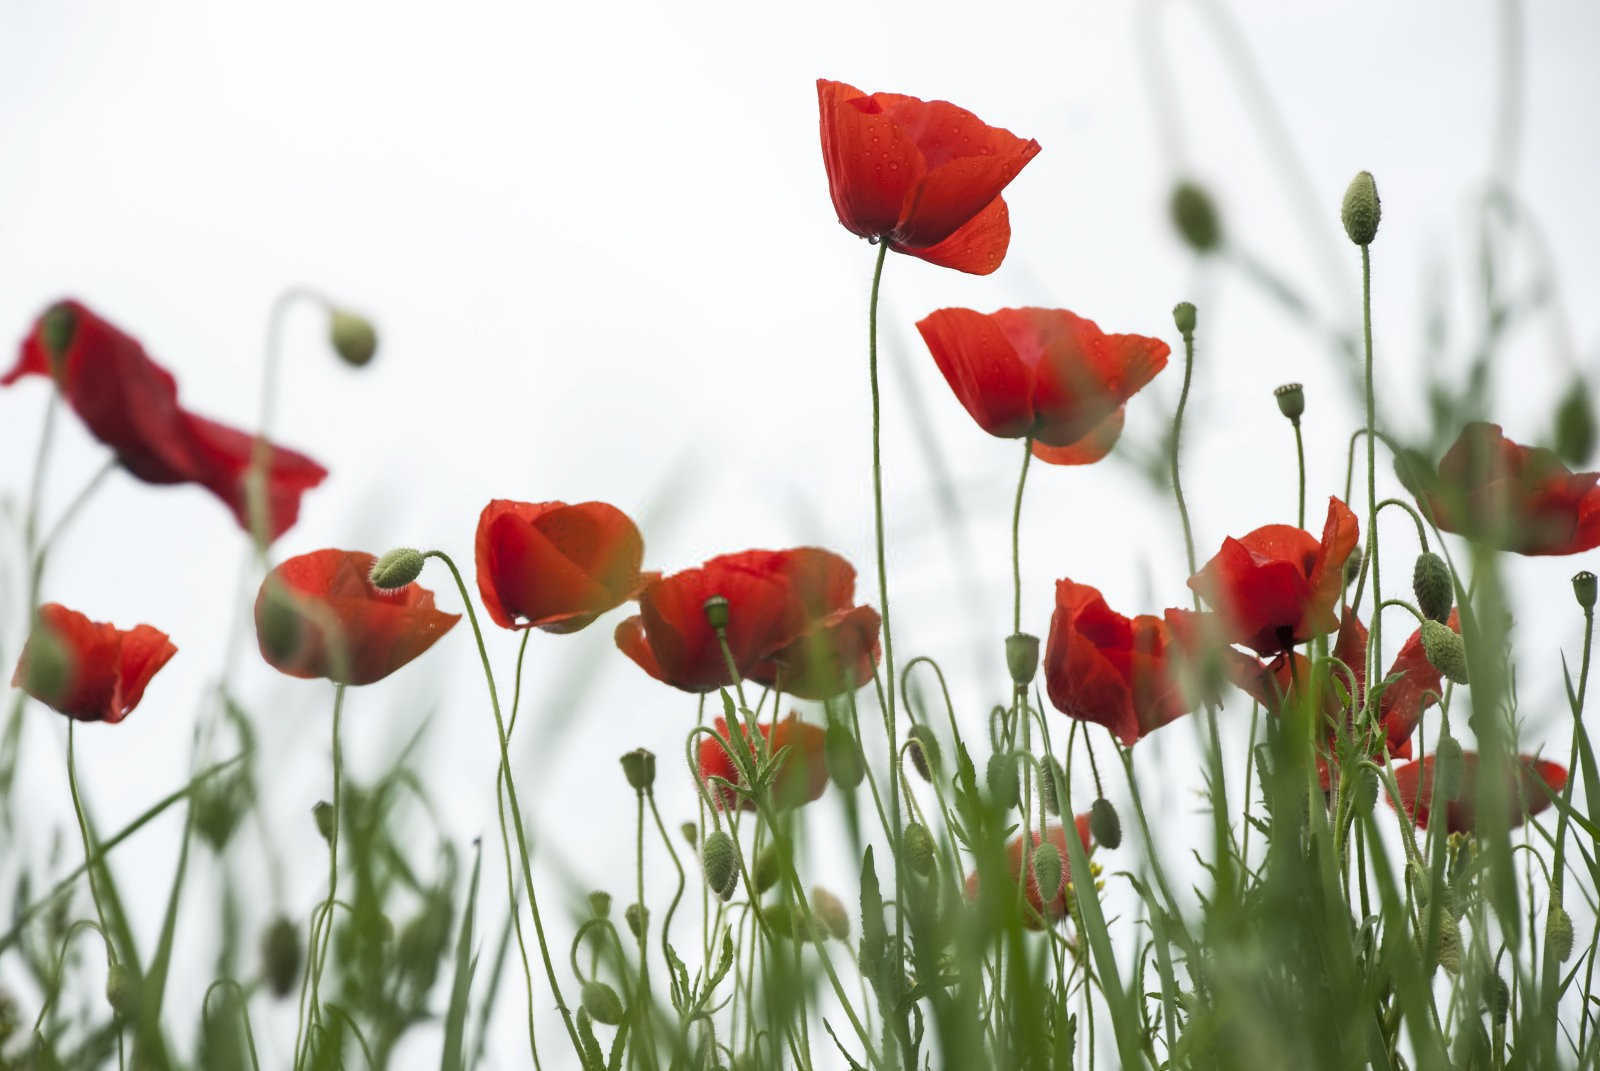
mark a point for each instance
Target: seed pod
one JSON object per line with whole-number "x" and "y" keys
{"x": 1001, "y": 776}
{"x": 719, "y": 860}
{"x": 923, "y": 747}
{"x": 1583, "y": 588}
{"x": 716, "y": 611}
{"x": 352, "y": 336}
{"x": 918, "y": 846}
{"x": 1104, "y": 824}
{"x": 1361, "y": 209}
{"x": 1052, "y": 785}
{"x": 1022, "y": 657}
{"x": 396, "y": 569}
{"x": 602, "y": 1002}
{"x": 639, "y": 767}
{"x": 1195, "y": 216}
{"x": 1291, "y": 401}
{"x": 1430, "y": 583}
{"x": 1558, "y": 933}
{"x": 1183, "y": 318}
{"x": 1445, "y": 650}
{"x": 322, "y": 815}
{"x": 600, "y": 904}
{"x": 1047, "y": 871}
{"x": 638, "y": 919}
{"x": 842, "y": 757}
{"x": 280, "y": 956}
{"x": 831, "y": 913}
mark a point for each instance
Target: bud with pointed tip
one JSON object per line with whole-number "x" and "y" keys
{"x": 1184, "y": 317}
{"x": 1558, "y": 933}
{"x": 1583, "y": 588}
{"x": 1361, "y": 209}
{"x": 1001, "y": 775}
{"x": 639, "y": 766}
{"x": 322, "y": 815}
{"x": 918, "y": 845}
{"x": 691, "y": 833}
{"x": 1195, "y": 216}
{"x": 1291, "y": 401}
{"x": 1052, "y": 785}
{"x": 1445, "y": 650}
{"x": 1047, "y": 871}
{"x": 831, "y": 913}
{"x": 600, "y": 904}
{"x": 637, "y": 918}
{"x": 923, "y": 748}
{"x": 716, "y": 611}
{"x": 1022, "y": 657}
{"x": 397, "y": 568}
{"x": 1430, "y": 583}
{"x": 280, "y": 956}
{"x": 352, "y": 336}
{"x": 841, "y": 756}
{"x": 719, "y": 860}
{"x": 1104, "y": 825}
{"x": 602, "y": 1002}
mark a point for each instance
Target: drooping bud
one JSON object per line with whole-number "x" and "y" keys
{"x": 1449, "y": 944}
{"x": 1001, "y": 775}
{"x": 718, "y": 858}
{"x": 1022, "y": 657}
{"x": 1184, "y": 317}
{"x": 1413, "y": 471}
{"x": 280, "y": 956}
{"x": 1291, "y": 401}
{"x": 219, "y": 804}
{"x": 769, "y": 865}
{"x": 639, "y": 766}
{"x": 637, "y": 917}
{"x": 278, "y": 622}
{"x": 352, "y": 336}
{"x": 47, "y": 665}
{"x": 842, "y": 757}
{"x": 1047, "y": 871}
{"x": 1448, "y": 765}
{"x": 1365, "y": 790}
{"x": 1575, "y": 424}
{"x": 923, "y": 747}
{"x": 1052, "y": 785}
{"x": 1583, "y": 588}
{"x": 1352, "y": 566}
{"x": 1558, "y": 933}
{"x": 1497, "y": 995}
{"x": 600, "y": 904}
{"x": 917, "y": 843}
{"x": 602, "y": 1002}
{"x": 1104, "y": 824}
{"x": 1195, "y": 216}
{"x": 121, "y": 992}
{"x": 1445, "y": 650}
{"x": 56, "y": 328}
{"x": 397, "y": 568}
{"x": 1430, "y": 583}
{"x": 322, "y": 815}
{"x": 716, "y": 611}
{"x": 1361, "y": 209}
{"x": 831, "y": 913}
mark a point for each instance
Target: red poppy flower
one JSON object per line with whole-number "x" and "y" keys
{"x": 1526, "y": 796}
{"x": 791, "y": 624}
{"x": 1509, "y": 496}
{"x": 553, "y": 566}
{"x": 1279, "y": 585}
{"x": 802, "y": 777}
{"x": 130, "y": 403}
{"x": 1042, "y": 372}
{"x": 93, "y": 671}
{"x": 1058, "y": 905}
{"x": 924, "y": 176}
{"x": 319, "y": 615}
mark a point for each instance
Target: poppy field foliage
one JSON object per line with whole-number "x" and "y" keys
{"x": 1398, "y": 871}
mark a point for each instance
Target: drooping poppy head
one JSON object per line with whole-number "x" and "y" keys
{"x": 1526, "y": 794}
{"x": 791, "y": 624}
{"x": 924, "y": 176}
{"x": 1047, "y": 373}
{"x": 89, "y": 670}
{"x": 1279, "y": 585}
{"x": 802, "y": 776}
{"x": 1103, "y": 667}
{"x": 553, "y": 566}
{"x": 130, "y": 403}
{"x": 319, "y": 615}
{"x": 1057, "y": 908}
{"x": 1512, "y": 497}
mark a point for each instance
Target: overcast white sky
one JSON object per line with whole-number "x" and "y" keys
{"x": 598, "y": 244}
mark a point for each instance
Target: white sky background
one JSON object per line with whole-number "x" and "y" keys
{"x": 598, "y": 244}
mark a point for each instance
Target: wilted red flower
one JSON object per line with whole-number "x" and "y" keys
{"x": 924, "y": 176}
{"x": 130, "y": 403}
{"x": 319, "y": 615}
{"x": 1279, "y": 585}
{"x": 89, "y": 670}
{"x": 1514, "y": 497}
{"x": 553, "y": 566}
{"x": 1058, "y": 906}
{"x": 1047, "y": 373}
{"x": 791, "y": 624}
{"x": 801, "y": 777}
{"x": 1526, "y": 794}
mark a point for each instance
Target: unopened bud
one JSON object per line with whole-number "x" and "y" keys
{"x": 280, "y": 956}
{"x": 1366, "y": 789}
{"x": 56, "y": 329}
{"x": 1195, "y": 216}
{"x": 637, "y": 917}
{"x": 602, "y": 1002}
{"x": 600, "y": 904}
{"x": 639, "y": 766}
{"x": 691, "y": 833}
{"x": 1291, "y": 401}
{"x": 121, "y": 991}
{"x": 1352, "y": 566}
{"x": 1183, "y": 318}
{"x": 1583, "y": 587}
{"x": 1430, "y": 583}
{"x": 1449, "y": 944}
{"x": 1001, "y": 775}
{"x": 716, "y": 611}
{"x": 1022, "y": 657}
{"x": 1047, "y": 871}
{"x": 397, "y": 568}
{"x": 1104, "y": 824}
{"x": 46, "y": 669}
{"x": 322, "y": 815}
{"x": 278, "y": 621}
{"x": 352, "y": 336}
{"x": 842, "y": 757}
{"x": 1575, "y": 424}
{"x": 1448, "y": 766}
{"x": 917, "y": 843}
{"x": 1052, "y": 785}
{"x": 1361, "y": 209}
{"x": 718, "y": 858}
{"x": 1558, "y": 933}
{"x": 831, "y": 913}
{"x": 1445, "y": 650}
{"x": 923, "y": 748}
{"x": 767, "y": 868}
{"x": 1497, "y": 995}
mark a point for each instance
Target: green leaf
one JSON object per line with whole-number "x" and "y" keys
{"x": 455, "y": 1032}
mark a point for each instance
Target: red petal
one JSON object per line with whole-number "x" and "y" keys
{"x": 872, "y": 165}
{"x": 1093, "y": 447}
{"x": 977, "y": 247}
{"x": 983, "y": 368}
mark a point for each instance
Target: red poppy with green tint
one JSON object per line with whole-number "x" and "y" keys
{"x": 1509, "y": 496}
{"x": 1057, "y": 908}
{"x": 89, "y": 670}
{"x": 792, "y": 624}
{"x": 130, "y": 403}
{"x": 1532, "y": 783}
{"x": 1280, "y": 585}
{"x": 802, "y": 776}
{"x": 924, "y": 176}
{"x": 1045, "y": 373}
{"x": 319, "y": 615}
{"x": 553, "y": 566}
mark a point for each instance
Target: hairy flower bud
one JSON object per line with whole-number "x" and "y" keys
{"x": 352, "y": 336}
{"x": 397, "y": 568}
{"x": 719, "y": 860}
{"x": 1430, "y": 583}
{"x": 1449, "y": 944}
{"x": 1022, "y": 657}
{"x": 831, "y": 913}
{"x": 602, "y": 1002}
{"x": 1365, "y": 789}
{"x": 842, "y": 757}
{"x": 1184, "y": 317}
{"x": 639, "y": 766}
{"x": 1052, "y": 785}
{"x": 1104, "y": 824}
{"x": 1195, "y": 216}
{"x": 716, "y": 611}
{"x": 600, "y": 904}
{"x": 917, "y": 843}
{"x": 923, "y": 747}
{"x": 1448, "y": 765}
{"x": 637, "y": 917}
{"x": 280, "y": 956}
{"x": 1047, "y": 871}
{"x": 1361, "y": 209}
{"x": 322, "y": 815}
{"x": 1445, "y": 650}
{"x": 1558, "y": 933}
{"x": 1291, "y": 401}
{"x": 1001, "y": 776}
{"x": 768, "y": 866}
{"x": 1583, "y": 588}
{"x": 1497, "y": 995}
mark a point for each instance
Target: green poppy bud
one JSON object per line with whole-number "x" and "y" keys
{"x": 1445, "y": 650}
{"x": 1183, "y": 318}
{"x": 397, "y": 568}
{"x": 1195, "y": 216}
{"x": 1430, "y": 583}
{"x": 1583, "y": 588}
{"x": 1104, "y": 824}
{"x": 56, "y": 328}
{"x": 637, "y": 918}
{"x": 1047, "y": 871}
{"x": 639, "y": 766}
{"x": 280, "y": 956}
{"x": 1001, "y": 775}
{"x": 121, "y": 991}
{"x": 1575, "y": 424}
{"x": 1448, "y": 765}
{"x": 600, "y": 904}
{"x": 322, "y": 815}
{"x": 719, "y": 861}
{"x": 47, "y": 666}
{"x": 1449, "y": 945}
{"x": 842, "y": 757}
{"x": 1022, "y": 657}
{"x": 716, "y": 611}
{"x": 1558, "y": 933}
{"x": 602, "y": 1002}
{"x": 1352, "y": 566}
{"x": 352, "y": 336}
{"x": 917, "y": 843}
{"x": 691, "y": 833}
{"x": 1497, "y": 995}
{"x": 278, "y": 623}
{"x": 1052, "y": 785}
{"x": 1365, "y": 789}
{"x": 1361, "y": 209}
{"x": 831, "y": 913}
{"x": 923, "y": 747}
{"x": 769, "y": 865}
{"x": 1291, "y": 401}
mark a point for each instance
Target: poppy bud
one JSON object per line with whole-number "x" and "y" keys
{"x": 397, "y": 568}
{"x": 638, "y": 919}
{"x": 280, "y": 956}
{"x": 1430, "y": 583}
{"x": 1104, "y": 825}
{"x": 923, "y": 747}
{"x": 1047, "y": 871}
{"x": 639, "y": 766}
{"x": 1291, "y": 401}
{"x": 768, "y": 867}
{"x": 1445, "y": 650}
{"x": 719, "y": 861}
{"x": 121, "y": 992}
{"x": 1195, "y": 216}
{"x": 600, "y": 904}
{"x": 1450, "y": 945}
{"x": 716, "y": 611}
{"x": 1366, "y": 790}
{"x": 1352, "y": 566}
{"x": 1575, "y": 430}
{"x": 831, "y": 913}
{"x": 278, "y": 622}
{"x": 219, "y": 804}
{"x": 691, "y": 833}
{"x": 1448, "y": 765}
{"x": 1413, "y": 471}
{"x": 1497, "y": 995}
{"x": 352, "y": 336}
{"x": 842, "y": 757}
{"x": 918, "y": 845}
{"x": 1583, "y": 586}
{"x": 1183, "y": 317}
{"x": 48, "y": 667}
{"x": 602, "y": 1002}
{"x": 322, "y": 814}
{"x": 1001, "y": 776}
{"x": 1361, "y": 210}
{"x": 1022, "y": 657}
{"x": 1052, "y": 785}
{"x": 57, "y": 327}
{"x": 1558, "y": 933}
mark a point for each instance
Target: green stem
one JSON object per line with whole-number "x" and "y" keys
{"x": 1375, "y": 648}
{"x": 1177, "y": 433}
{"x": 1300, "y": 460}
{"x": 318, "y": 946}
{"x": 1016, "y": 538}
{"x": 83, "y": 831}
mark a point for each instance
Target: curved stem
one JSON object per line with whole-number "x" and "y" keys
{"x": 318, "y": 945}
{"x": 83, "y": 831}
{"x": 1016, "y": 537}
{"x": 1300, "y": 461}
{"x": 261, "y": 453}
{"x": 1177, "y": 433}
